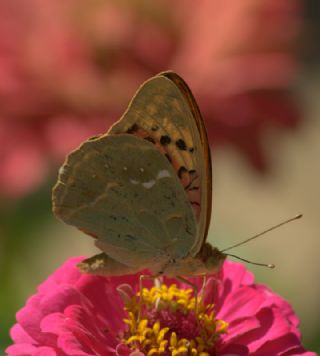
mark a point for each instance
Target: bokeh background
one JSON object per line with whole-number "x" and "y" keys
{"x": 67, "y": 72}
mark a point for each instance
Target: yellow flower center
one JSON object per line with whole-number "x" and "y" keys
{"x": 172, "y": 322}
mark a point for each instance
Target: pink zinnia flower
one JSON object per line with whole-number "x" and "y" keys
{"x": 80, "y": 314}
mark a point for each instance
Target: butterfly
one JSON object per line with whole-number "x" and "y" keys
{"x": 143, "y": 190}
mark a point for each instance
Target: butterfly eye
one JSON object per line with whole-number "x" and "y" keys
{"x": 125, "y": 169}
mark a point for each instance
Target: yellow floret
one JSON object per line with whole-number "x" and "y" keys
{"x": 157, "y": 339}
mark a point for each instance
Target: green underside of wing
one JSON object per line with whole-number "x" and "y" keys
{"x": 122, "y": 190}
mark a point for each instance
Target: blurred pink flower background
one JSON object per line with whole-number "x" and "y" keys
{"x": 68, "y": 70}
{"x": 80, "y": 314}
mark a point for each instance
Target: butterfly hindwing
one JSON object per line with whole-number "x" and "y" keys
{"x": 122, "y": 190}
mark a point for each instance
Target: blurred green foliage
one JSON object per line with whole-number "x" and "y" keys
{"x": 19, "y": 221}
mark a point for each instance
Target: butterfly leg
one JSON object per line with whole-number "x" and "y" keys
{"x": 141, "y": 279}
{"x": 195, "y": 291}
{"x": 204, "y": 282}
{"x": 104, "y": 265}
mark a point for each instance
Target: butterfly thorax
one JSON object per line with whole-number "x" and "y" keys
{"x": 208, "y": 260}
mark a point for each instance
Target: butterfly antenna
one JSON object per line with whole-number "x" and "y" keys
{"x": 269, "y": 265}
{"x": 260, "y": 234}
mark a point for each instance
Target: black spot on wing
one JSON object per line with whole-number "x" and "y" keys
{"x": 165, "y": 140}
{"x": 182, "y": 170}
{"x": 155, "y": 128}
{"x": 181, "y": 144}
{"x": 134, "y": 128}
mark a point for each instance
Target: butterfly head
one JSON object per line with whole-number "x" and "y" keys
{"x": 211, "y": 257}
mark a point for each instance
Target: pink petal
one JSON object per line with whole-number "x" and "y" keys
{"x": 237, "y": 273}
{"x": 243, "y": 302}
{"x": 20, "y": 336}
{"x": 272, "y": 327}
{"x": 240, "y": 327}
{"x": 288, "y": 344}
{"x": 30, "y": 350}
{"x": 44, "y": 351}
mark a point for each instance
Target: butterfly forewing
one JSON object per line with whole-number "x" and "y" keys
{"x": 165, "y": 113}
